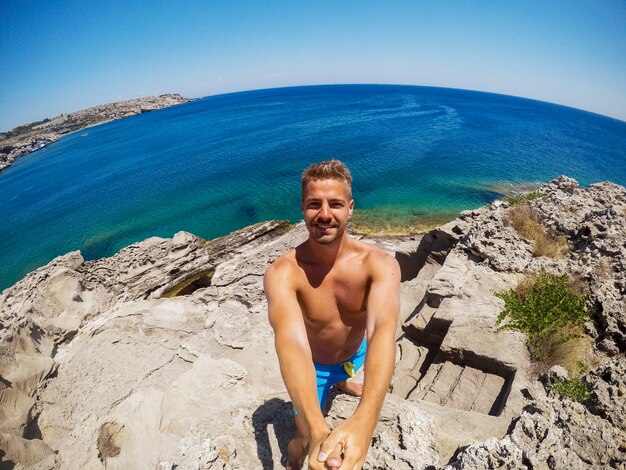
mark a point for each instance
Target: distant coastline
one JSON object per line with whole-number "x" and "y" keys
{"x": 27, "y": 138}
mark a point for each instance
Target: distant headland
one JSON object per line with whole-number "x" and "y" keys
{"x": 27, "y": 138}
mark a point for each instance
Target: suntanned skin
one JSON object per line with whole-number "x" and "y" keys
{"x": 324, "y": 297}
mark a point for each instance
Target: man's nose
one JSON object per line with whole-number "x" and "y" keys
{"x": 325, "y": 211}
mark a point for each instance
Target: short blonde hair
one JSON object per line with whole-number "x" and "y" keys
{"x": 328, "y": 170}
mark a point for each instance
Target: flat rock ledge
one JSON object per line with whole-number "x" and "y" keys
{"x": 162, "y": 356}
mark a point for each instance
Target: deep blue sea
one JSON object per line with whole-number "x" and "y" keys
{"x": 222, "y": 162}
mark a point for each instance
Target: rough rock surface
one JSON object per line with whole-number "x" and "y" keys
{"x": 162, "y": 357}
{"x": 550, "y": 433}
{"x": 554, "y": 432}
{"x": 593, "y": 221}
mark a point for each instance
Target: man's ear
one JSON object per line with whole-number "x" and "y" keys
{"x": 350, "y": 208}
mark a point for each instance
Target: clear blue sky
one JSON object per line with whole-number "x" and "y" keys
{"x": 61, "y": 56}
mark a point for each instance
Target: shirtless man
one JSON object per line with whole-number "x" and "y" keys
{"x": 329, "y": 300}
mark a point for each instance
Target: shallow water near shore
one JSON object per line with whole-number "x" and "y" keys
{"x": 214, "y": 165}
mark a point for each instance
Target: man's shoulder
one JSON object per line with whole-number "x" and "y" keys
{"x": 370, "y": 251}
{"x": 279, "y": 276}
{"x": 376, "y": 258}
{"x": 284, "y": 264}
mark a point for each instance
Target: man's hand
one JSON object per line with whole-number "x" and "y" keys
{"x": 314, "y": 450}
{"x": 315, "y": 441}
{"x": 352, "y": 437}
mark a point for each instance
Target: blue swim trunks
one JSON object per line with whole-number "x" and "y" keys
{"x": 328, "y": 375}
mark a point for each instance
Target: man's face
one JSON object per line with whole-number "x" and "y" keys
{"x": 327, "y": 209}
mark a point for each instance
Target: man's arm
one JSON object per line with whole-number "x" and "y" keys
{"x": 292, "y": 347}
{"x": 383, "y": 307}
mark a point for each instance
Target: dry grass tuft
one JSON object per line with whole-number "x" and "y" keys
{"x": 526, "y": 284}
{"x": 575, "y": 354}
{"x": 525, "y": 221}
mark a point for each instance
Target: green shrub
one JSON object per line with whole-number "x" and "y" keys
{"x": 546, "y": 309}
{"x": 516, "y": 199}
{"x": 574, "y": 389}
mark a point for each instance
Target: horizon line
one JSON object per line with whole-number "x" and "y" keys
{"x": 553, "y": 103}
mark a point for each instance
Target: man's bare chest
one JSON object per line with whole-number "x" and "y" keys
{"x": 339, "y": 295}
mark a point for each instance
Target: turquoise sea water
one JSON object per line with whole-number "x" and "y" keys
{"x": 222, "y": 162}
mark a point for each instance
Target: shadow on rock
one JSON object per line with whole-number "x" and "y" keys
{"x": 278, "y": 414}
{"x": 9, "y": 464}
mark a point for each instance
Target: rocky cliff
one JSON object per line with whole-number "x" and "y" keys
{"x": 30, "y": 137}
{"x": 162, "y": 357}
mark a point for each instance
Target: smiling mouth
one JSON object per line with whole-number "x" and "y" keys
{"x": 324, "y": 226}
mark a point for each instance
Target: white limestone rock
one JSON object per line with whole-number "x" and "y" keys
{"x": 100, "y": 369}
